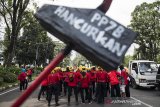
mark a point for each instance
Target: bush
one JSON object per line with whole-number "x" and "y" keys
{"x": 9, "y": 74}
{"x": 1, "y": 80}
{"x": 39, "y": 68}
{"x": 8, "y": 77}
{"x": 14, "y": 70}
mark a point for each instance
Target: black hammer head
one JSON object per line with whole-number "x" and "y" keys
{"x": 96, "y": 36}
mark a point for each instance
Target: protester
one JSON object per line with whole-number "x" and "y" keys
{"x": 93, "y": 78}
{"x": 65, "y": 81}
{"x": 125, "y": 82}
{"x": 72, "y": 85}
{"x": 84, "y": 86}
{"x": 29, "y": 74}
{"x": 44, "y": 85}
{"x": 102, "y": 78}
{"x": 53, "y": 87}
{"x": 113, "y": 78}
{"x": 22, "y": 77}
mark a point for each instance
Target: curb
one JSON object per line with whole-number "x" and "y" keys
{"x": 10, "y": 86}
{"x": 7, "y": 87}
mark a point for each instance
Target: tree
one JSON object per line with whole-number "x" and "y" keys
{"x": 145, "y": 21}
{"x": 127, "y": 59}
{"x": 34, "y": 44}
{"x": 81, "y": 60}
{"x": 12, "y": 11}
{"x": 58, "y": 47}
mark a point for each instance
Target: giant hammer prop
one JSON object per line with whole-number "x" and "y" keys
{"x": 88, "y": 31}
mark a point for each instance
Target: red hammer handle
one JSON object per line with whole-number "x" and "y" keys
{"x": 105, "y": 6}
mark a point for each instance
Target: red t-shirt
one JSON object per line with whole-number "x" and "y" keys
{"x": 22, "y": 76}
{"x": 102, "y": 76}
{"x": 113, "y": 77}
{"x": 85, "y": 80}
{"x": 78, "y": 76}
{"x": 125, "y": 76}
{"x": 72, "y": 79}
{"x": 53, "y": 78}
{"x": 65, "y": 76}
{"x": 44, "y": 82}
{"x": 93, "y": 76}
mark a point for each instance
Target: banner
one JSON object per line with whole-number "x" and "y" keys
{"x": 93, "y": 34}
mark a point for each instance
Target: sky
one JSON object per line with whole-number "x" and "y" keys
{"x": 120, "y": 10}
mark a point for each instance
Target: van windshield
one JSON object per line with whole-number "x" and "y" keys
{"x": 148, "y": 67}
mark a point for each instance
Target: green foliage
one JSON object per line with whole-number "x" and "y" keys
{"x": 145, "y": 21}
{"x": 39, "y": 69}
{"x": 34, "y": 43}
{"x": 127, "y": 59}
{"x": 13, "y": 70}
{"x": 8, "y": 77}
{"x": 12, "y": 11}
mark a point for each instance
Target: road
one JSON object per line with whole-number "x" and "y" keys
{"x": 139, "y": 98}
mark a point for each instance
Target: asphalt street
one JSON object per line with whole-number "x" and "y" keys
{"x": 142, "y": 97}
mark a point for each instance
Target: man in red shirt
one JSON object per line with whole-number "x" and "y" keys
{"x": 22, "y": 78}
{"x": 59, "y": 71}
{"x": 124, "y": 74}
{"x": 93, "y": 78}
{"x": 72, "y": 85}
{"x": 102, "y": 78}
{"x": 53, "y": 86}
{"x": 85, "y": 82}
{"x": 44, "y": 85}
{"x": 78, "y": 75}
{"x": 114, "y": 82}
{"x": 65, "y": 80}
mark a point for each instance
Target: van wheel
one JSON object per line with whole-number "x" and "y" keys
{"x": 133, "y": 84}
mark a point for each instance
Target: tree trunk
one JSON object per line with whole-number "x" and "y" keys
{"x": 10, "y": 51}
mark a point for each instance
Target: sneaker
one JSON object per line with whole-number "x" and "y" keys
{"x": 57, "y": 104}
{"x": 77, "y": 103}
{"x": 68, "y": 103}
{"x": 82, "y": 102}
{"x": 90, "y": 102}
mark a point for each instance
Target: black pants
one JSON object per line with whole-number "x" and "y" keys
{"x": 115, "y": 91}
{"x": 25, "y": 84}
{"x": 87, "y": 93}
{"x": 65, "y": 85}
{"x": 43, "y": 89}
{"x": 70, "y": 93}
{"x": 93, "y": 87}
{"x": 127, "y": 91}
{"x": 60, "y": 87}
{"x": 101, "y": 88}
{"x": 53, "y": 89}
{"x": 107, "y": 89}
{"x": 29, "y": 78}
{"x": 22, "y": 85}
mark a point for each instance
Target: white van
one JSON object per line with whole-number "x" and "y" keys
{"x": 143, "y": 73}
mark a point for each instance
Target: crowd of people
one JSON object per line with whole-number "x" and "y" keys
{"x": 92, "y": 84}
